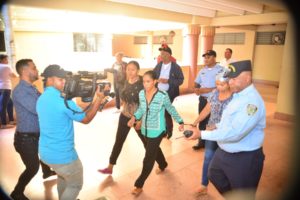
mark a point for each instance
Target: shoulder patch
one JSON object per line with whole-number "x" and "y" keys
{"x": 251, "y": 109}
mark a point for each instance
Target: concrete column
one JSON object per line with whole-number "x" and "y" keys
{"x": 285, "y": 108}
{"x": 192, "y": 39}
{"x": 207, "y": 39}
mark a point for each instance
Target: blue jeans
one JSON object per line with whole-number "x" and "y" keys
{"x": 4, "y": 100}
{"x": 210, "y": 149}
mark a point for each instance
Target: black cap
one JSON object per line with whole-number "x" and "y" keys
{"x": 210, "y": 53}
{"x": 54, "y": 70}
{"x": 166, "y": 48}
{"x": 238, "y": 67}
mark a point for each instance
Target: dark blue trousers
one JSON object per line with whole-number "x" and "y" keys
{"x": 236, "y": 171}
{"x": 4, "y": 101}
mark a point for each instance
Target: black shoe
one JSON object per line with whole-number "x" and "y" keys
{"x": 51, "y": 173}
{"x": 18, "y": 196}
{"x": 198, "y": 146}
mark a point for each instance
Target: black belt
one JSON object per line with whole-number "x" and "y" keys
{"x": 27, "y": 134}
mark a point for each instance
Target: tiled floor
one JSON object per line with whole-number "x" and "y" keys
{"x": 94, "y": 143}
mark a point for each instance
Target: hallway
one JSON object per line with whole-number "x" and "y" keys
{"x": 95, "y": 140}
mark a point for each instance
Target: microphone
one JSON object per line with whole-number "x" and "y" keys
{"x": 108, "y": 98}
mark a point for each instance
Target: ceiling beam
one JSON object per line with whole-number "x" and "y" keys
{"x": 259, "y": 19}
{"x": 208, "y": 5}
{"x": 171, "y": 6}
{"x": 250, "y": 6}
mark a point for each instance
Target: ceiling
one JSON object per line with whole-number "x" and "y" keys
{"x": 211, "y": 8}
{"x": 42, "y": 18}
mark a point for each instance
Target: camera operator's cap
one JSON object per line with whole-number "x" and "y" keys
{"x": 54, "y": 70}
{"x": 210, "y": 53}
{"x": 238, "y": 67}
{"x": 166, "y": 48}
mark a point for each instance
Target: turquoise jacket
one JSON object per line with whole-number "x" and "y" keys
{"x": 152, "y": 114}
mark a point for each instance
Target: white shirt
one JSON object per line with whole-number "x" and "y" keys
{"x": 225, "y": 62}
{"x": 5, "y": 72}
{"x": 164, "y": 73}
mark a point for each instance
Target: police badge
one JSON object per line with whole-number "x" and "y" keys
{"x": 251, "y": 109}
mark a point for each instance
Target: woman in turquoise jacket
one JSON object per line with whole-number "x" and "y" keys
{"x": 151, "y": 111}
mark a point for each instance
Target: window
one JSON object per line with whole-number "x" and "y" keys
{"x": 270, "y": 38}
{"x": 229, "y": 38}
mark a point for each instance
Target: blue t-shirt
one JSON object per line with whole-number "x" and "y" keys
{"x": 56, "y": 144}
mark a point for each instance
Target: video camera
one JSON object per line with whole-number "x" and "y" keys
{"x": 84, "y": 84}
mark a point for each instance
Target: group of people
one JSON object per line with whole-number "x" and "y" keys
{"x": 230, "y": 123}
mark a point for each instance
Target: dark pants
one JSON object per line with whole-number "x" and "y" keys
{"x": 202, "y": 125}
{"x": 10, "y": 110}
{"x": 4, "y": 100}
{"x": 153, "y": 152}
{"x": 169, "y": 121}
{"x": 121, "y": 136}
{"x": 26, "y": 144}
{"x": 236, "y": 171}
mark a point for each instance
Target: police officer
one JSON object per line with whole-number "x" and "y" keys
{"x": 205, "y": 83}
{"x": 238, "y": 162}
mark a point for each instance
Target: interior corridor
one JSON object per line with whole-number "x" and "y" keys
{"x": 94, "y": 143}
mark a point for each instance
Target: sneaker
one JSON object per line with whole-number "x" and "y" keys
{"x": 51, "y": 173}
{"x": 137, "y": 191}
{"x": 7, "y": 126}
{"x": 105, "y": 171}
{"x": 18, "y": 196}
{"x": 198, "y": 146}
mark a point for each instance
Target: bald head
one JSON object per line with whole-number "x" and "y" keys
{"x": 240, "y": 82}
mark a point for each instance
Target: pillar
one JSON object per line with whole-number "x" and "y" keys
{"x": 207, "y": 39}
{"x": 192, "y": 33}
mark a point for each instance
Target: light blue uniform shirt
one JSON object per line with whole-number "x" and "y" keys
{"x": 242, "y": 124}
{"x": 56, "y": 144}
{"x": 206, "y": 77}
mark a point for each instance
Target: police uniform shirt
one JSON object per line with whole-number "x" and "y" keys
{"x": 206, "y": 77}
{"x": 242, "y": 124}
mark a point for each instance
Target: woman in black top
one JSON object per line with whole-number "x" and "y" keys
{"x": 130, "y": 102}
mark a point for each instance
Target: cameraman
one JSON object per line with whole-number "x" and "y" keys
{"x": 56, "y": 147}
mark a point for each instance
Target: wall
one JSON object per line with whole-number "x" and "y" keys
{"x": 240, "y": 51}
{"x": 125, "y": 43}
{"x": 57, "y": 48}
{"x": 268, "y": 58}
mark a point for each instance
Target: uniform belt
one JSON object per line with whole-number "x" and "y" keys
{"x": 27, "y": 134}
{"x": 203, "y": 97}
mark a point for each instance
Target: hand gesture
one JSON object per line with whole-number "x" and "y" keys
{"x": 131, "y": 122}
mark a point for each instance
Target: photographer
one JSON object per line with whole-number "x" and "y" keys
{"x": 56, "y": 147}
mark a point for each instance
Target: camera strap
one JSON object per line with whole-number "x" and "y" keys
{"x": 74, "y": 111}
